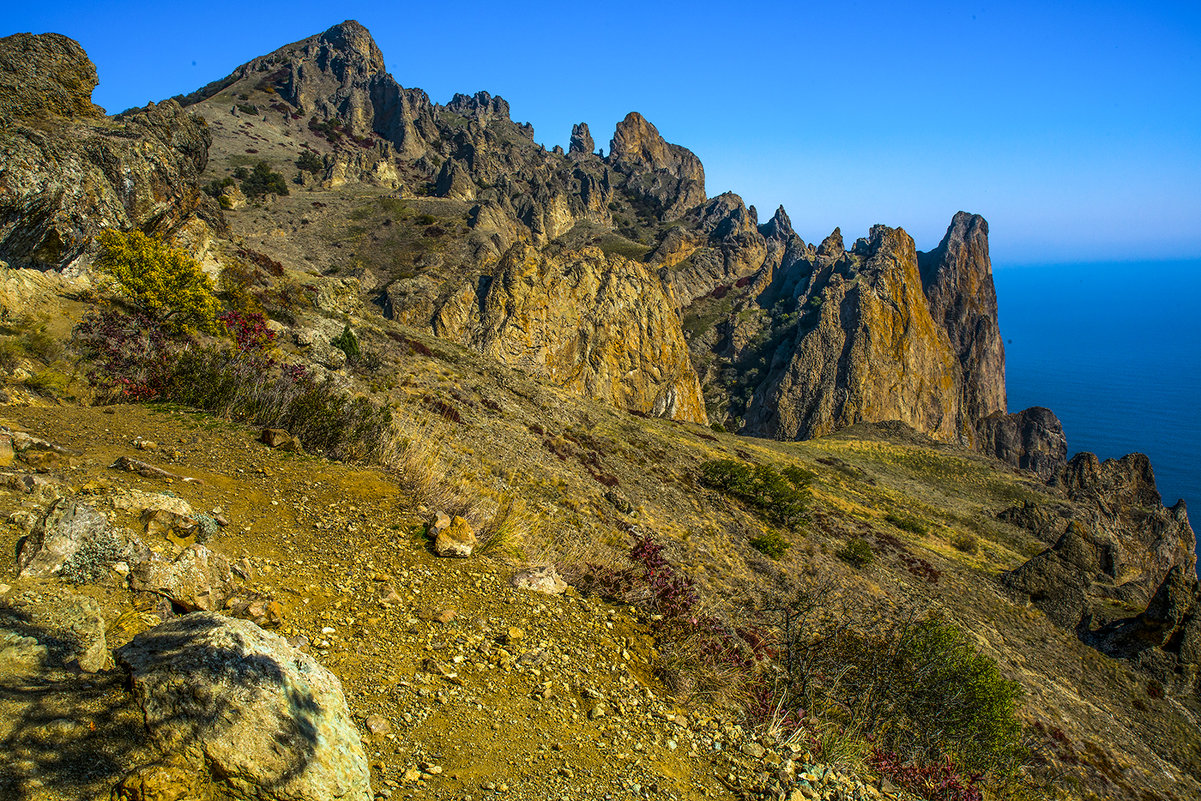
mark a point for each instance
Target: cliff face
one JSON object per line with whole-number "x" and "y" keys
{"x": 957, "y": 280}
{"x": 868, "y": 351}
{"x": 600, "y": 326}
{"x": 69, "y": 172}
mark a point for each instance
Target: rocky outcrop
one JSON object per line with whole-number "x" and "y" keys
{"x": 957, "y": 280}
{"x": 1031, "y": 439}
{"x": 866, "y": 349}
{"x": 1114, "y": 541}
{"x": 68, "y": 173}
{"x": 45, "y": 76}
{"x": 1165, "y": 639}
{"x": 263, "y": 719}
{"x": 581, "y": 141}
{"x": 668, "y": 177}
{"x": 601, "y": 326}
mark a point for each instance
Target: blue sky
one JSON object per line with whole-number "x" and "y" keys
{"x": 1075, "y": 128}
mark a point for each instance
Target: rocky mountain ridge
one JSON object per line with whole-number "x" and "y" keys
{"x": 615, "y": 278}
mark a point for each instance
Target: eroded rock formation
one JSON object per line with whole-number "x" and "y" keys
{"x": 599, "y": 325}
{"x": 1031, "y": 439}
{"x": 69, "y": 172}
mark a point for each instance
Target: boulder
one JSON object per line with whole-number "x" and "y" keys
{"x": 265, "y": 720}
{"x": 198, "y": 579}
{"x": 545, "y": 580}
{"x": 70, "y": 532}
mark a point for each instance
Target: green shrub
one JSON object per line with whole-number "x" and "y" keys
{"x": 718, "y": 427}
{"x": 248, "y": 108}
{"x": 770, "y": 544}
{"x": 955, "y": 699}
{"x": 857, "y": 553}
{"x": 780, "y": 499}
{"x": 310, "y": 162}
{"x": 160, "y": 280}
{"x": 348, "y": 343}
{"x": 261, "y": 181}
{"x": 910, "y": 524}
{"x": 216, "y": 186}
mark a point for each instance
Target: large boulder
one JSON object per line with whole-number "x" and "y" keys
{"x": 265, "y": 720}
{"x": 74, "y": 541}
{"x": 197, "y": 579}
{"x": 1031, "y": 439}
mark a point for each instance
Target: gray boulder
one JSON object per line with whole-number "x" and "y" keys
{"x": 265, "y": 720}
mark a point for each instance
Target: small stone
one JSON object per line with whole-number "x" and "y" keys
{"x": 545, "y": 580}
{"x": 378, "y": 724}
{"x": 388, "y": 595}
{"x": 456, "y": 540}
{"x": 753, "y": 750}
{"x": 597, "y": 712}
{"x": 411, "y": 775}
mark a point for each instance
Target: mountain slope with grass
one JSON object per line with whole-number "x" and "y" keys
{"x": 447, "y": 413}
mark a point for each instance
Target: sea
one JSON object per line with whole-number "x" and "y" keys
{"x": 1114, "y": 349}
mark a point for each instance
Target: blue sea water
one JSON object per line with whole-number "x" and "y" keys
{"x": 1115, "y": 351}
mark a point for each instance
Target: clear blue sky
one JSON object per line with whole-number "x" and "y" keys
{"x": 1074, "y": 127}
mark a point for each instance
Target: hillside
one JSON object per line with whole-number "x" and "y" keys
{"x": 759, "y": 468}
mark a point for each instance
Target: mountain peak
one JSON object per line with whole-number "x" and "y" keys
{"x": 352, "y": 38}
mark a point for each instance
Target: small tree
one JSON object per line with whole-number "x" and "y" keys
{"x": 161, "y": 281}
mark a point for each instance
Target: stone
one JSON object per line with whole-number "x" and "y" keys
{"x": 281, "y": 440}
{"x": 266, "y": 720}
{"x": 7, "y": 454}
{"x": 1031, "y": 439}
{"x": 456, "y": 540}
{"x": 169, "y": 780}
{"x": 68, "y": 528}
{"x": 445, "y": 615}
{"x": 378, "y": 725}
{"x": 198, "y": 579}
{"x": 387, "y": 595}
{"x": 545, "y": 580}
{"x": 82, "y": 617}
{"x": 46, "y": 75}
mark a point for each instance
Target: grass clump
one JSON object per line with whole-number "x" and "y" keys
{"x": 965, "y": 541}
{"x": 781, "y": 497}
{"x": 910, "y": 524}
{"x": 771, "y": 544}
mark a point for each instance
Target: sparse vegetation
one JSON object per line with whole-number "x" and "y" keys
{"x": 780, "y": 498}
{"x": 771, "y": 544}
{"x": 905, "y": 523}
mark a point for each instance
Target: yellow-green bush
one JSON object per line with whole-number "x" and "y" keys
{"x": 161, "y": 280}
